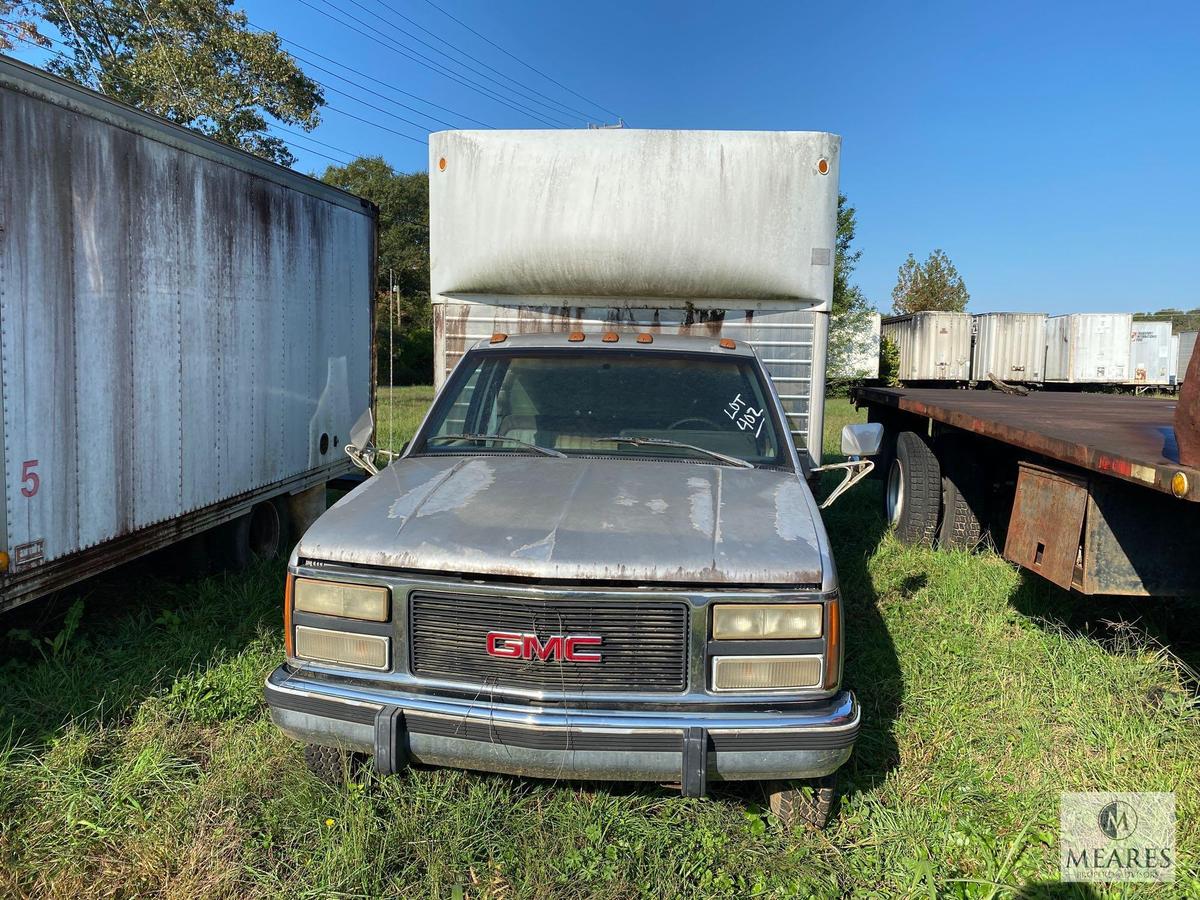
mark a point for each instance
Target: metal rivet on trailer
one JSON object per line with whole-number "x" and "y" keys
{"x": 499, "y": 337}
{"x": 442, "y": 164}
{"x": 728, "y": 343}
{"x": 610, "y": 337}
{"x": 1179, "y": 484}
{"x": 822, "y": 166}
{"x": 645, "y": 338}
{"x": 575, "y": 336}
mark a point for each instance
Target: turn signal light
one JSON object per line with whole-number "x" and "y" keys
{"x": 363, "y": 651}
{"x": 765, "y": 673}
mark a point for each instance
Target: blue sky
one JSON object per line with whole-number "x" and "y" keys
{"x": 1052, "y": 149}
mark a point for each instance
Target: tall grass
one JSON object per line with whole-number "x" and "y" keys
{"x": 138, "y": 759}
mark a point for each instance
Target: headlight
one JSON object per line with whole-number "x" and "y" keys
{"x": 367, "y": 651}
{"x": 336, "y": 598}
{"x": 745, "y": 621}
{"x": 765, "y": 673}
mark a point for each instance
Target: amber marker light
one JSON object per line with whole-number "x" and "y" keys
{"x": 728, "y": 343}
{"x": 289, "y": 638}
{"x": 4, "y": 561}
{"x": 575, "y": 337}
{"x": 610, "y": 337}
{"x": 822, "y": 166}
{"x": 833, "y": 644}
{"x": 645, "y": 338}
{"x": 442, "y": 164}
{"x": 1179, "y": 484}
{"x": 499, "y": 337}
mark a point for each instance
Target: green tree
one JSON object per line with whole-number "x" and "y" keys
{"x": 850, "y": 334}
{"x": 932, "y": 285}
{"x": 405, "y": 316}
{"x": 195, "y": 62}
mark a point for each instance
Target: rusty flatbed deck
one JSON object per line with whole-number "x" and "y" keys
{"x": 1132, "y": 438}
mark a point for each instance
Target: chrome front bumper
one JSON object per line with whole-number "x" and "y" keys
{"x": 662, "y": 746}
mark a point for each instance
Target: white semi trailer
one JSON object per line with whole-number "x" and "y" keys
{"x": 185, "y": 329}
{"x": 685, "y": 232}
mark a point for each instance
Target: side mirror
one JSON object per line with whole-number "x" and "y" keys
{"x": 862, "y": 440}
{"x": 360, "y": 434}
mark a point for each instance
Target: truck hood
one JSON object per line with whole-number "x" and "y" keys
{"x": 577, "y": 519}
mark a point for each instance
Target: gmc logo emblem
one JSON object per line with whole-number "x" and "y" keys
{"x": 563, "y": 647}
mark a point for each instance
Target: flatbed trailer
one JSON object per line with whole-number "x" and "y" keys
{"x": 1087, "y": 490}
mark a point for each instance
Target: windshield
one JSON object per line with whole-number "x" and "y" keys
{"x": 576, "y": 402}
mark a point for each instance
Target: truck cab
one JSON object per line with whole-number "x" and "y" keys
{"x": 598, "y": 558}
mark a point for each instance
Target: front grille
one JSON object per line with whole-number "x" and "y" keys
{"x": 643, "y": 645}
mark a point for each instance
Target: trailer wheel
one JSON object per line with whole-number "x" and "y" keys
{"x": 255, "y": 535}
{"x": 962, "y": 497}
{"x": 804, "y": 803}
{"x": 913, "y": 494}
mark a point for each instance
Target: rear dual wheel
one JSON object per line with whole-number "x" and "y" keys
{"x": 929, "y": 501}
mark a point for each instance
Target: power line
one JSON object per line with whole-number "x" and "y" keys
{"x": 549, "y": 103}
{"x": 376, "y": 124}
{"x": 502, "y": 74}
{"x": 398, "y": 48}
{"x": 385, "y": 84}
{"x": 521, "y": 61}
{"x": 440, "y": 66}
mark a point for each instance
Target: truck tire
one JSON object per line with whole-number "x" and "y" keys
{"x": 332, "y": 765}
{"x": 804, "y": 803}
{"x": 913, "y": 492}
{"x": 963, "y": 496}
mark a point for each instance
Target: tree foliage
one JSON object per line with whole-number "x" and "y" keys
{"x": 405, "y": 316}
{"x": 18, "y": 22}
{"x": 1180, "y": 320}
{"x": 195, "y": 62}
{"x": 932, "y": 285}
{"x": 850, "y": 334}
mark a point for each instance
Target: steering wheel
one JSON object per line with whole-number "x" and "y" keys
{"x": 700, "y": 419}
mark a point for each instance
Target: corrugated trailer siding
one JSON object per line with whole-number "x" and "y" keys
{"x": 1088, "y": 348}
{"x": 784, "y": 338}
{"x": 1187, "y": 346}
{"x": 176, "y": 330}
{"x": 934, "y": 346}
{"x": 1150, "y": 353}
{"x": 1011, "y": 346}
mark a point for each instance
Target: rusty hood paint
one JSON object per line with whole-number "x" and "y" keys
{"x": 577, "y": 519}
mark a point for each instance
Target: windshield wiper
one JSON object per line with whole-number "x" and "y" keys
{"x": 666, "y": 442}
{"x": 545, "y": 451}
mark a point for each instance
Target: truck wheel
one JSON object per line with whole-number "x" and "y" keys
{"x": 962, "y": 497}
{"x": 805, "y": 803}
{"x": 332, "y": 765}
{"x": 913, "y": 494}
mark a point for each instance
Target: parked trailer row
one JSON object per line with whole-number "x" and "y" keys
{"x": 1033, "y": 348}
{"x": 185, "y": 332}
{"x": 1097, "y": 493}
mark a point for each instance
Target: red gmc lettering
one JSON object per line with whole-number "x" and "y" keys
{"x": 564, "y": 647}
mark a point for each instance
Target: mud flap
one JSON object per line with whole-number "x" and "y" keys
{"x": 391, "y": 741}
{"x": 694, "y": 780}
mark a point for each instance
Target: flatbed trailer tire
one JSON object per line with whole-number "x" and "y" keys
{"x": 963, "y": 493}
{"x": 913, "y": 491}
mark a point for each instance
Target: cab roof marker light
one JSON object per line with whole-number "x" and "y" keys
{"x": 610, "y": 337}
{"x": 575, "y": 337}
{"x": 645, "y": 338}
{"x": 728, "y": 343}
{"x": 499, "y": 338}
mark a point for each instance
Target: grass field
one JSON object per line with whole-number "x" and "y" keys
{"x": 137, "y": 759}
